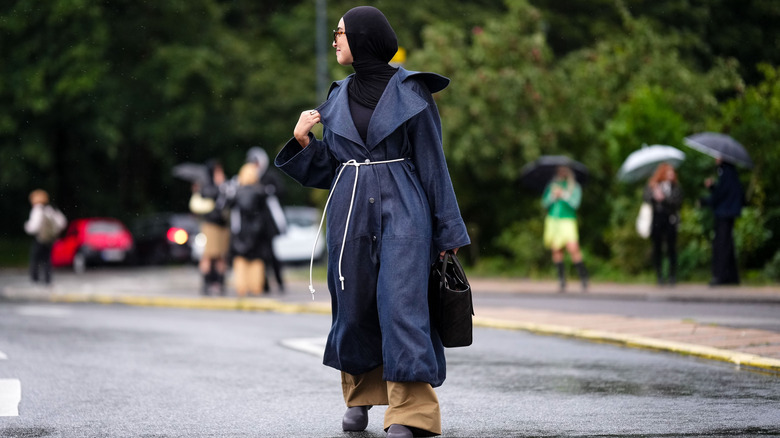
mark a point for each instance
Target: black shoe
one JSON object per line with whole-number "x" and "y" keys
{"x": 399, "y": 431}
{"x": 355, "y": 419}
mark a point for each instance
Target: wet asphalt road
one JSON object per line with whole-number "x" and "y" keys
{"x": 91, "y": 370}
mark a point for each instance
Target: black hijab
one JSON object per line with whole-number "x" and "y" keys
{"x": 373, "y": 44}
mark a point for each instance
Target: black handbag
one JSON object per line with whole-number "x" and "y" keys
{"x": 449, "y": 301}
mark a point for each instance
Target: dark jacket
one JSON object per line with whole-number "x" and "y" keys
{"x": 667, "y": 211}
{"x": 251, "y": 228}
{"x": 726, "y": 195}
{"x": 401, "y": 215}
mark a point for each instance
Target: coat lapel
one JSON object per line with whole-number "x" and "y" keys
{"x": 398, "y": 103}
{"x": 335, "y": 114}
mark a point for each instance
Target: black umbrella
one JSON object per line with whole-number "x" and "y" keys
{"x": 720, "y": 146}
{"x": 192, "y": 172}
{"x": 538, "y": 173}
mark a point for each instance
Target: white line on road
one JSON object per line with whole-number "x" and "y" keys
{"x": 10, "y": 396}
{"x": 46, "y": 311}
{"x": 3, "y": 355}
{"x": 315, "y": 346}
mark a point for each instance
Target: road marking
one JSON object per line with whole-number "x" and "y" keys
{"x": 10, "y": 396}
{"x": 313, "y": 346}
{"x": 47, "y": 311}
{"x": 3, "y": 355}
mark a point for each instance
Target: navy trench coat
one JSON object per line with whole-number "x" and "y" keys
{"x": 401, "y": 215}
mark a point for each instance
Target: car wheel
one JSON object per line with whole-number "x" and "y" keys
{"x": 79, "y": 262}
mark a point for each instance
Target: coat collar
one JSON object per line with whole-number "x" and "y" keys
{"x": 399, "y": 103}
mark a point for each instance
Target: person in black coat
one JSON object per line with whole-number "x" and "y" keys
{"x": 273, "y": 186}
{"x": 726, "y": 200}
{"x": 251, "y": 232}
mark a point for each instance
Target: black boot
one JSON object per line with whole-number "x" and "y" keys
{"x": 208, "y": 278}
{"x": 561, "y": 276}
{"x": 583, "y": 275}
{"x": 219, "y": 281}
{"x": 355, "y": 419}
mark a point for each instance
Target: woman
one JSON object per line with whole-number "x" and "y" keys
{"x": 251, "y": 232}
{"x": 391, "y": 211}
{"x": 208, "y": 200}
{"x": 561, "y": 199}
{"x": 45, "y": 223}
{"x": 665, "y": 195}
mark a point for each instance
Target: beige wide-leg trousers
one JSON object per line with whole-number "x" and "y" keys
{"x": 412, "y": 404}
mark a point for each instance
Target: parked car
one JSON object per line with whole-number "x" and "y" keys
{"x": 295, "y": 245}
{"x": 92, "y": 241}
{"x": 162, "y": 238}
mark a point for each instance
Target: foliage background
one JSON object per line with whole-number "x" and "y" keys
{"x": 98, "y": 100}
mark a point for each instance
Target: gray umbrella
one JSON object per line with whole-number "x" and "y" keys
{"x": 720, "y": 146}
{"x": 192, "y": 172}
{"x": 643, "y": 162}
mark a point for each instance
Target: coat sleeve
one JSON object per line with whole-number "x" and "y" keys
{"x": 449, "y": 230}
{"x": 312, "y": 166}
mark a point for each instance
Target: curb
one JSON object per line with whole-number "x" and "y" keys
{"x": 272, "y": 305}
{"x": 202, "y": 303}
{"x": 737, "y": 358}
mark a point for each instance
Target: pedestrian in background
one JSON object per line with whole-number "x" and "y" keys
{"x": 208, "y": 200}
{"x": 251, "y": 232}
{"x": 391, "y": 212}
{"x": 273, "y": 187}
{"x": 45, "y": 223}
{"x": 561, "y": 199}
{"x": 664, "y": 193}
{"x": 726, "y": 199}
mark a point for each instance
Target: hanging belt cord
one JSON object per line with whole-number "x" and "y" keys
{"x": 349, "y": 215}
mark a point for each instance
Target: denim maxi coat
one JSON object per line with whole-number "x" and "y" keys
{"x": 396, "y": 217}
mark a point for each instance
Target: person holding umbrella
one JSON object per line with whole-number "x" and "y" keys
{"x": 726, "y": 199}
{"x": 391, "y": 212}
{"x": 664, "y": 193}
{"x": 561, "y": 199}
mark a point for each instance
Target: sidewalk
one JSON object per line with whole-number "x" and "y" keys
{"x": 178, "y": 288}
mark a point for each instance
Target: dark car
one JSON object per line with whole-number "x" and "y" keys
{"x": 164, "y": 238}
{"x": 92, "y": 241}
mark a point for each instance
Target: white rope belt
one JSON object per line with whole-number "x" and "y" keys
{"x": 349, "y": 214}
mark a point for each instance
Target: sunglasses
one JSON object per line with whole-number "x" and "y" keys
{"x": 336, "y": 34}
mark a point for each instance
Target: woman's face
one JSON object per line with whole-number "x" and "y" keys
{"x": 669, "y": 174}
{"x": 343, "y": 54}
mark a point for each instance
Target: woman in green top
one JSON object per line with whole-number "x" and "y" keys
{"x": 561, "y": 199}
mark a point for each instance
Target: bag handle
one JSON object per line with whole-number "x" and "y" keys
{"x": 449, "y": 255}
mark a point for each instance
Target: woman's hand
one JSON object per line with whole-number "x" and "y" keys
{"x": 306, "y": 121}
{"x": 454, "y": 251}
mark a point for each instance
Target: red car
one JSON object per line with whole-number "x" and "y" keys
{"x": 92, "y": 241}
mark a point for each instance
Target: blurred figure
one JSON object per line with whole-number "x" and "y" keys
{"x": 726, "y": 200}
{"x": 561, "y": 199}
{"x": 252, "y": 232}
{"x": 208, "y": 200}
{"x": 45, "y": 223}
{"x": 273, "y": 188}
{"x": 664, "y": 193}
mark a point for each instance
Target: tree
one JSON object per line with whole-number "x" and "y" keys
{"x": 511, "y": 101}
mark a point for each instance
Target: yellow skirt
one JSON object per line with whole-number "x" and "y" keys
{"x": 560, "y": 231}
